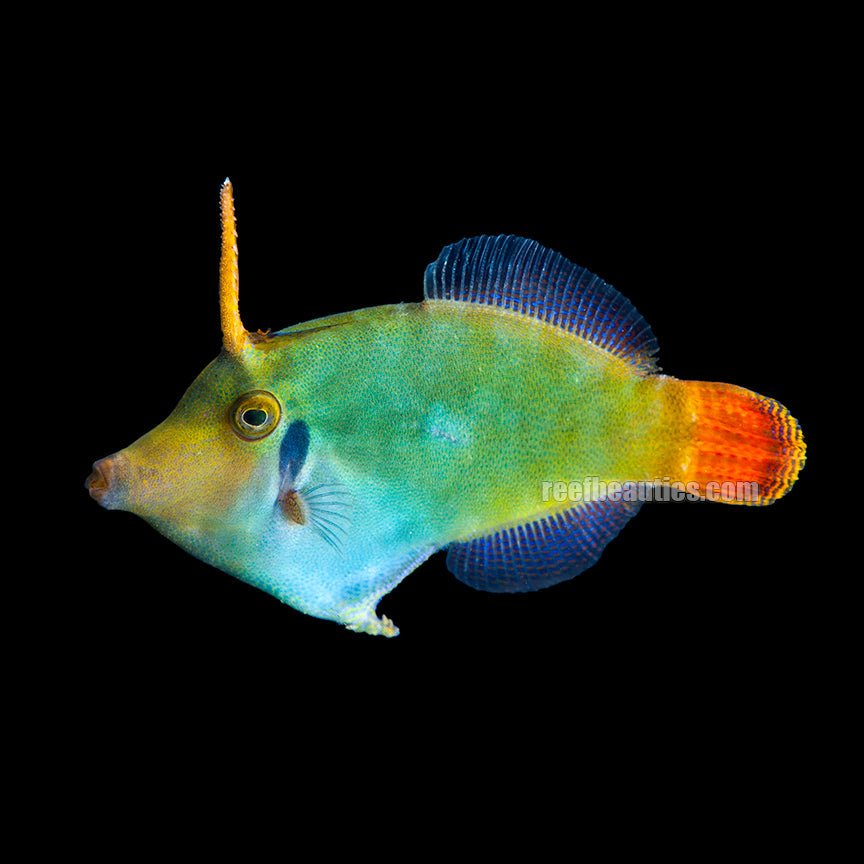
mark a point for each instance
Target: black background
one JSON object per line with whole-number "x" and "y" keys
{"x": 699, "y": 630}
{"x": 690, "y": 691}
{"x": 701, "y": 234}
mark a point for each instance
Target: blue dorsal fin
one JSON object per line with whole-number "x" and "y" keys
{"x": 541, "y": 553}
{"x": 524, "y": 277}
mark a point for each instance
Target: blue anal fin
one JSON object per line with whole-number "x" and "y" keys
{"x": 542, "y": 553}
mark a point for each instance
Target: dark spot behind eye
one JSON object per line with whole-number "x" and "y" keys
{"x": 294, "y": 447}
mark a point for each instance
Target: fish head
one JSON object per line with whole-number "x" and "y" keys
{"x": 240, "y": 476}
{"x": 197, "y": 471}
{"x": 237, "y": 477}
{"x": 193, "y": 472}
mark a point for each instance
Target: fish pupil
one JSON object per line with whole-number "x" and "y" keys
{"x": 255, "y": 417}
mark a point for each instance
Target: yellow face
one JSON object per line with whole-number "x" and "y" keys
{"x": 210, "y": 464}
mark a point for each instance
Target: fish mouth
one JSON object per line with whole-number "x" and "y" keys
{"x": 102, "y": 481}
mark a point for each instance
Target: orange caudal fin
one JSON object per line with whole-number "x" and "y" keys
{"x": 744, "y": 448}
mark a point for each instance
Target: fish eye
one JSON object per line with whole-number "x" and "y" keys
{"x": 255, "y": 415}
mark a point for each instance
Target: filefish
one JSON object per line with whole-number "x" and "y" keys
{"x": 515, "y": 417}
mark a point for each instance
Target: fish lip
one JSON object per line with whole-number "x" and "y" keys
{"x": 101, "y": 480}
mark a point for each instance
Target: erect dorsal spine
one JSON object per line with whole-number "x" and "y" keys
{"x": 234, "y": 335}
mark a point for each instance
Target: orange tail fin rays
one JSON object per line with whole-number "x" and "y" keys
{"x": 745, "y": 448}
{"x": 234, "y": 335}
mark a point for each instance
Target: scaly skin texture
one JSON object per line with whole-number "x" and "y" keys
{"x": 468, "y": 409}
{"x": 429, "y": 423}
